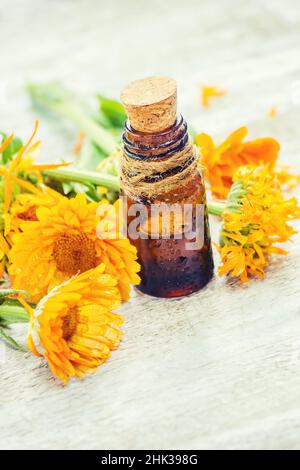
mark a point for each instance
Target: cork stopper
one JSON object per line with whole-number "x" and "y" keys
{"x": 151, "y": 104}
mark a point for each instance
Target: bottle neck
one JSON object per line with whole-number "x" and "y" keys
{"x": 156, "y": 146}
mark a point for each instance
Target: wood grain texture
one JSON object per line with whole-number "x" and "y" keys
{"x": 219, "y": 369}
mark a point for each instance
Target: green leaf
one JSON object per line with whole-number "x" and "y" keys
{"x": 114, "y": 110}
{"x": 90, "y": 157}
{"x": 54, "y": 97}
{"x": 6, "y": 292}
{"x": 12, "y": 313}
{"x": 9, "y": 340}
{"x": 15, "y": 145}
{"x": 67, "y": 188}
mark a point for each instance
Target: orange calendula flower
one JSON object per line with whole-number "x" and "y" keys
{"x": 286, "y": 179}
{"x": 117, "y": 253}
{"x": 5, "y": 143}
{"x": 21, "y": 166}
{"x": 64, "y": 241}
{"x": 208, "y": 93}
{"x": 25, "y": 206}
{"x": 73, "y": 327}
{"x": 255, "y": 219}
{"x": 4, "y": 251}
{"x": 221, "y": 162}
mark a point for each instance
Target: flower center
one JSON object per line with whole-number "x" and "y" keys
{"x": 74, "y": 253}
{"x": 70, "y": 322}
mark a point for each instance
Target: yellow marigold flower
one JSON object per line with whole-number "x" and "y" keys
{"x": 286, "y": 179}
{"x": 254, "y": 221}
{"x": 25, "y": 206}
{"x": 208, "y": 93}
{"x": 73, "y": 326}
{"x": 5, "y": 143}
{"x": 21, "y": 166}
{"x": 64, "y": 241}
{"x": 117, "y": 252}
{"x": 4, "y": 251}
{"x": 221, "y": 162}
{"x": 2, "y": 265}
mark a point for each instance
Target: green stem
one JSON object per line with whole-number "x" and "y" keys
{"x": 216, "y": 208}
{"x": 64, "y": 174}
{"x": 13, "y": 314}
{"x": 110, "y": 182}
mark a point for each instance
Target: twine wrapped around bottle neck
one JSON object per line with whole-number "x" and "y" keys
{"x": 158, "y": 157}
{"x": 153, "y": 177}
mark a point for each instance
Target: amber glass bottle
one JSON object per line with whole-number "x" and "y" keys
{"x": 172, "y": 263}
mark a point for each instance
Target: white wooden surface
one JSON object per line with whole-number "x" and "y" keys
{"x": 220, "y": 369}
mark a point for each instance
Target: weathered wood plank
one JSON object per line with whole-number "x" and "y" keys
{"x": 219, "y": 369}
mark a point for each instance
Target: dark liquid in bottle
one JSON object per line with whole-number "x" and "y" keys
{"x": 171, "y": 267}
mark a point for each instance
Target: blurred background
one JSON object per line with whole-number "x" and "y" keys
{"x": 243, "y": 356}
{"x": 250, "y": 49}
